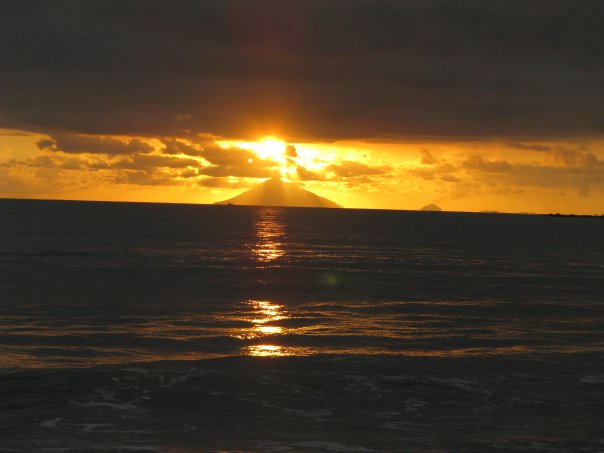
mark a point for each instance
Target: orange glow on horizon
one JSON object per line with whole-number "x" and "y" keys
{"x": 527, "y": 177}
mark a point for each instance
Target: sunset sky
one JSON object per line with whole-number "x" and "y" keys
{"x": 473, "y": 105}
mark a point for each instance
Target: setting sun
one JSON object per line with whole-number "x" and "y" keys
{"x": 271, "y": 149}
{"x": 288, "y": 158}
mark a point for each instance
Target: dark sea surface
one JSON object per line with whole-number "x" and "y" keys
{"x": 189, "y": 328}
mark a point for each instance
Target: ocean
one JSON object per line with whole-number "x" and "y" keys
{"x": 192, "y": 328}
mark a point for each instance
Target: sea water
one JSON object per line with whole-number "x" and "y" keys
{"x": 228, "y": 328}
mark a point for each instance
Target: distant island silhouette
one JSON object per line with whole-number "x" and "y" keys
{"x": 275, "y": 192}
{"x": 431, "y": 207}
{"x": 598, "y": 216}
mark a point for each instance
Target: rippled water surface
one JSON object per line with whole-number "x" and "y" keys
{"x": 179, "y": 328}
{"x": 91, "y": 283}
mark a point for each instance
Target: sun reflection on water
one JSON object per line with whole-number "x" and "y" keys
{"x": 265, "y": 313}
{"x": 269, "y": 330}
{"x": 269, "y": 228}
{"x": 266, "y": 350}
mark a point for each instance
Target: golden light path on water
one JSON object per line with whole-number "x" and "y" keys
{"x": 265, "y": 313}
{"x": 269, "y": 229}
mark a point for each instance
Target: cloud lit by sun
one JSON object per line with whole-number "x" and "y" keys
{"x": 270, "y": 149}
{"x": 288, "y": 158}
{"x": 354, "y": 174}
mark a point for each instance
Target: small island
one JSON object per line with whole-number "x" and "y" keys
{"x": 431, "y": 207}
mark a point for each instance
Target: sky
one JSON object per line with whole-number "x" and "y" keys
{"x": 473, "y": 105}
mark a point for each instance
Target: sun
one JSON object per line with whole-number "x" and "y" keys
{"x": 271, "y": 149}
{"x": 268, "y": 148}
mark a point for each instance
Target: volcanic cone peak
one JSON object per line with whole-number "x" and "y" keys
{"x": 275, "y": 192}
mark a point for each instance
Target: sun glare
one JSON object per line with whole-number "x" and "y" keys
{"x": 313, "y": 158}
{"x": 271, "y": 149}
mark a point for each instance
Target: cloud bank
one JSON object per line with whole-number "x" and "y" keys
{"x": 306, "y": 69}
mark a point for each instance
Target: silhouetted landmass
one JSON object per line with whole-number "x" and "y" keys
{"x": 275, "y": 192}
{"x": 431, "y": 207}
{"x": 595, "y": 216}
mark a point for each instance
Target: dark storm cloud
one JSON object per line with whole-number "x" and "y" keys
{"x": 476, "y": 162}
{"x": 235, "y": 162}
{"x": 229, "y": 156}
{"x": 345, "y": 170}
{"x": 309, "y": 69}
{"x": 308, "y": 175}
{"x": 248, "y": 171}
{"x": 582, "y": 173}
{"x": 529, "y": 146}
{"x": 172, "y": 146}
{"x": 151, "y": 162}
{"x": 93, "y": 145}
{"x": 569, "y": 155}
